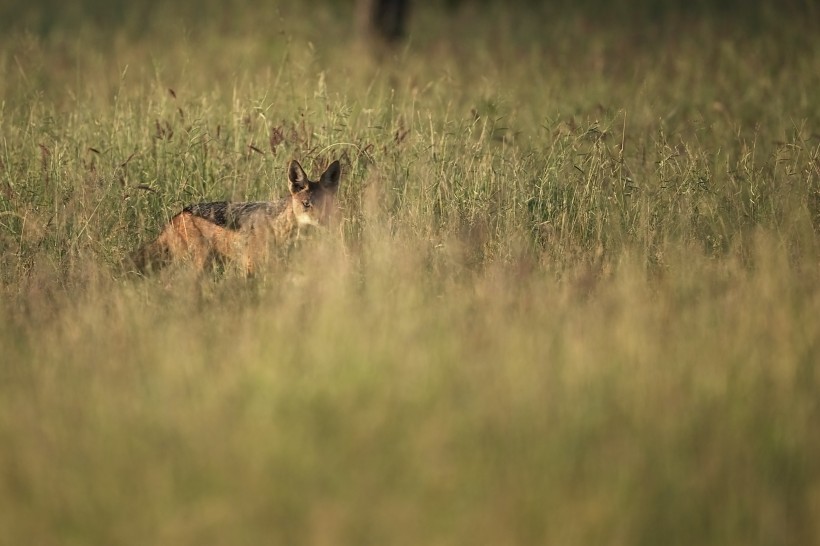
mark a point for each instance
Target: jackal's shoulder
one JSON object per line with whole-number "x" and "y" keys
{"x": 236, "y": 215}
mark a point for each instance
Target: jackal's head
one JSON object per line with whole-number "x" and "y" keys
{"x": 314, "y": 203}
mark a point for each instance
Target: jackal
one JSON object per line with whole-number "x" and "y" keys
{"x": 244, "y": 232}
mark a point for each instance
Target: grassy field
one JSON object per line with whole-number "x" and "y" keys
{"x": 574, "y": 298}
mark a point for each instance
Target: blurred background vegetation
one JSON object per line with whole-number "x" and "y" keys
{"x": 46, "y": 16}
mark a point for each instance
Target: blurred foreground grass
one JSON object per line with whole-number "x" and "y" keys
{"x": 574, "y": 298}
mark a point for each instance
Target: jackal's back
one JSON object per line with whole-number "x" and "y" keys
{"x": 236, "y": 215}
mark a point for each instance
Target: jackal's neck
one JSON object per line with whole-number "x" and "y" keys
{"x": 284, "y": 225}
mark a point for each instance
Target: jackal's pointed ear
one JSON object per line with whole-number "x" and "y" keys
{"x": 330, "y": 178}
{"x": 297, "y": 179}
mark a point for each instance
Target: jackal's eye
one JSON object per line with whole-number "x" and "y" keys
{"x": 307, "y": 204}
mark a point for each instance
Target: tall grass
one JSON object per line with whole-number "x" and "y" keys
{"x": 573, "y": 297}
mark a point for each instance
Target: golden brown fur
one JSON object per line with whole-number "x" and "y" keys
{"x": 243, "y": 233}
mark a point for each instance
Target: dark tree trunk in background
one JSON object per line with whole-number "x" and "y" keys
{"x": 384, "y": 20}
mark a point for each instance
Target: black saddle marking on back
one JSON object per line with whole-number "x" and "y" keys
{"x": 230, "y": 215}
